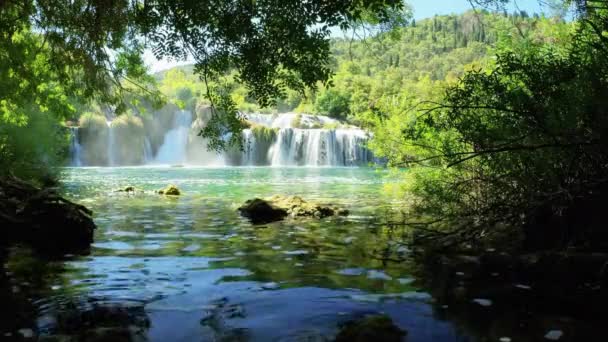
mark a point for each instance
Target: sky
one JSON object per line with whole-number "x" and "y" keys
{"x": 428, "y": 8}
{"x": 422, "y": 9}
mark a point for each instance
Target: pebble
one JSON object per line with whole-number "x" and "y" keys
{"x": 405, "y": 281}
{"x": 373, "y": 274}
{"x": 270, "y": 286}
{"x": 403, "y": 250}
{"x": 554, "y": 335}
{"x": 349, "y": 240}
{"x": 482, "y": 302}
{"x": 505, "y": 339}
{"x": 523, "y": 287}
{"x": 296, "y": 252}
{"x": 26, "y": 333}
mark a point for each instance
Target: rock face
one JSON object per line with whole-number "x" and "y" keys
{"x": 170, "y": 190}
{"x": 42, "y": 219}
{"x": 278, "y": 207}
{"x": 371, "y": 328}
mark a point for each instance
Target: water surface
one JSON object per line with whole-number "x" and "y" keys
{"x": 291, "y": 280}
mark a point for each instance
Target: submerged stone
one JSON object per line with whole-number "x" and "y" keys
{"x": 482, "y": 302}
{"x": 126, "y": 189}
{"x": 371, "y": 328}
{"x": 554, "y": 335}
{"x": 26, "y": 333}
{"x": 170, "y": 190}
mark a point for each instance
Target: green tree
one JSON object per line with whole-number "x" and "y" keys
{"x": 333, "y": 103}
{"x": 517, "y": 144}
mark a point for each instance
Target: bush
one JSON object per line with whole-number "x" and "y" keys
{"x": 33, "y": 150}
{"x": 333, "y": 103}
{"x": 263, "y": 133}
{"x": 296, "y": 122}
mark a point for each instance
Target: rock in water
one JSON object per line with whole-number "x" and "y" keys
{"x": 278, "y": 207}
{"x": 261, "y": 211}
{"x": 41, "y": 218}
{"x": 371, "y": 328}
{"x": 170, "y": 190}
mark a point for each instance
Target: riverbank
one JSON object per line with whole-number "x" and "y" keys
{"x": 42, "y": 219}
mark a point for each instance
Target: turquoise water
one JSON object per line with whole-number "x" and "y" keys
{"x": 293, "y": 280}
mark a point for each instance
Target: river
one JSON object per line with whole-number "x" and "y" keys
{"x": 178, "y": 257}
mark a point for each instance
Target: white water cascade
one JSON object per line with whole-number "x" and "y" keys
{"x": 111, "y": 144}
{"x": 319, "y": 147}
{"x": 286, "y": 139}
{"x": 75, "y": 148}
{"x": 174, "y": 147}
{"x": 148, "y": 154}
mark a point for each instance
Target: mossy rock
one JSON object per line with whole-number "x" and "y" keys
{"x": 262, "y": 211}
{"x": 170, "y": 190}
{"x": 278, "y": 207}
{"x": 378, "y": 328}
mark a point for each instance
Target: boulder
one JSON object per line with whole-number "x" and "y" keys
{"x": 278, "y": 207}
{"x": 371, "y": 328}
{"x": 262, "y": 211}
{"x": 42, "y": 219}
{"x": 170, "y": 190}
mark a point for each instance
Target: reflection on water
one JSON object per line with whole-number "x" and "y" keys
{"x": 179, "y": 256}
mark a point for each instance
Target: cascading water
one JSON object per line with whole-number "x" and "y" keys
{"x": 286, "y": 139}
{"x": 111, "y": 144}
{"x": 320, "y": 147}
{"x": 148, "y": 154}
{"x": 75, "y": 148}
{"x": 174, "y": 147}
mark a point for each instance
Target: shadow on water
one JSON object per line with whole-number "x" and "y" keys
{"x": 190, "y": 268}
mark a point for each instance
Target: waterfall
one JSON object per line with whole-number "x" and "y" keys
{"x": 286, "y": 139}
{"x": 148, "y": 154}
{"x": 111, "y": 143}
{"x": 250, "y": 148}
{"x": 75, "y": 148}
{"x": 174, "y": 147}
{"x": 320, "y": 147}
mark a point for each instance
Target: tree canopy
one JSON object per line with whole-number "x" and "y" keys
{"x": 55, "y": 55}
{"x": 516, "y": 142}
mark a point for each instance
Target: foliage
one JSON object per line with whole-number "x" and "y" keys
{"x": 296, "y": 122}
{"x": 58, "y": 54}
{"x": 517, "y": 143}
{"x": 333, "y": 103}
{"x": 264, "y": 133}
{"x": 31, "y": 150}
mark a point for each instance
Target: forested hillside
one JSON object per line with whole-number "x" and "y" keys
{"x": 405, "y": 62}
